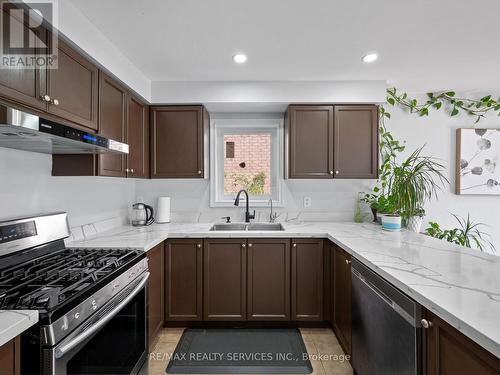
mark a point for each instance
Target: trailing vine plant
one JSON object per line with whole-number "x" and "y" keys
{"x": 390, "y": 147}
{"x": 477, "y": 108}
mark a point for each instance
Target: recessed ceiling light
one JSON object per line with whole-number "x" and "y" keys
{"x": 369, "y": 58}
{"x": 240, "y": 58}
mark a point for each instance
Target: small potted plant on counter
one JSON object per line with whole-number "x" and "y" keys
{"x": 391, "y": 219}
{"x": 413, "y": 183}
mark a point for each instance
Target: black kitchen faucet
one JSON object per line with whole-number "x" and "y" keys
{"x": 248, "y": 216}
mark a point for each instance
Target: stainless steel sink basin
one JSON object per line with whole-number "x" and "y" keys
{"x": 265, "y": 226}
{"x": 229, "y": 226}
{"x": 247, "y": 227}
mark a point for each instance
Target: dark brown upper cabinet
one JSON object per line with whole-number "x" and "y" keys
{"x": 155, "y": 291}
{"x": 224, "y": 279}
{"x": 268, "y": 279}
{"x": 26, "y": 87}
{"x": 307, "y": 279}
{"x": 112, "y": 124}
{"x": 178, "y": 141}
{"x": 342, "y": 316}
{"x": 73, "y": 88}
{"x": 356, "y": 141}
{"x": 327, "y": 141}
{"x": 183, "y": 270}
{"x": 137, "y": 138}
{"x": 310, "y": 141}
{"x": 449, "y": 352}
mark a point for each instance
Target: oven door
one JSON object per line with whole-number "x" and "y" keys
{"x": 114, "y": 341}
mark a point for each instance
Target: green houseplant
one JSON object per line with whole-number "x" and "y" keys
{"x": 467, "y": 234}
{"x": 413, "y": 183}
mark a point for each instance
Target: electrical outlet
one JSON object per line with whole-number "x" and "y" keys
{"x": 307, "y": 202}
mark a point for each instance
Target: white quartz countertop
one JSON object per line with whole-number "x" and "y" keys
{"x": 460, "y": 285}
{"x": 14, "y": 322}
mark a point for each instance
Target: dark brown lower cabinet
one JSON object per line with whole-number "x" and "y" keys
{"x": 10, "y": 360}
{"x": 307, "y": 279}
{"x": 183, "y": 270}
{"x": 342, "y": 317}
{"x": 156, "y": 293}
{"x": 224, "y": 279}
{"x": 268, "y": 279}
{"x": 449, "y": 352}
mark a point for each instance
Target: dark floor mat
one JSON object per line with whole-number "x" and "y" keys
{"x": 240, "y": 351}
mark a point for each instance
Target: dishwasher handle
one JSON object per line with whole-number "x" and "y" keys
{"x": 411, "y": 319}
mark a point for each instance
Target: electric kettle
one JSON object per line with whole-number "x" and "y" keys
{"x": 142, "y": 215}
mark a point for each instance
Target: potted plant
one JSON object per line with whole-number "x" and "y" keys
{"x": 414, "y": 222}
{"x": 413, "y": 183}
{"x": 391, "y": 219}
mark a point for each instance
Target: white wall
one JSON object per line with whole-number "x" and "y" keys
{"x": 438, "y": 133}
{"x": 27, "y": 188}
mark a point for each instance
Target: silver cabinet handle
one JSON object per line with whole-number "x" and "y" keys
{"x": 198, "y": 245}
{"x": 331, "y": 172}
{"x": 199, "y": 172}
{"x": 426, "y": 323}
{"x": 65, "y": 347}
{"x": 243, "y": 245}
{"x": 54, "y": 101}
{"x": 347, "y": 261}
{"x": 294, "y": 245}
{"x": 127, "y": 170}
{"x": 337, "y": 172}
{"x": 249, "y": 245}
{"x": 132, "y": 170}
{"x": 45, "y": 98}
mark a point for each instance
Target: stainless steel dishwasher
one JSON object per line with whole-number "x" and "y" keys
{"x": 385, "y": 326}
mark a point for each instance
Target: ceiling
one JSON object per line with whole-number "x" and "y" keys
{"x": 423, "y": 45}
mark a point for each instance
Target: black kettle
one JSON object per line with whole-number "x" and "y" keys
{"x": 142, "y": 215}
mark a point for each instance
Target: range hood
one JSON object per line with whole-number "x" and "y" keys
{"x": 24, "y": 131}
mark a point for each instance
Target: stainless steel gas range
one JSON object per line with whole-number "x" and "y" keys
{"x": 92, "y": 302}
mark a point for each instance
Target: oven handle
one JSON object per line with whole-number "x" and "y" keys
{"x": 64, "y": 348}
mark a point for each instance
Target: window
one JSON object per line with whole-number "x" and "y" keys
{"x": 246, "y": 154}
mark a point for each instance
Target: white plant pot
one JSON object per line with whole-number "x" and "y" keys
{"x": 414, "y": 223}
{"x": 391, "y": 223}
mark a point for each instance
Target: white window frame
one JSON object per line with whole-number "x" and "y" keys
{"x": 220, "y": 127}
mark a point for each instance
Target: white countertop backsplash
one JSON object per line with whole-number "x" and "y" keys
{"x": 460, "y": 285}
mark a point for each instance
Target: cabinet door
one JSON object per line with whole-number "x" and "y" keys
{"x": 137, "y": 138}
{"x": 74, "y": 85}
{"x": 342, "y": 321}
{"x": 224, "y": 277}
{"x": 24, "y": 86}
{"x": 268, "y": 279}
{"x": 449, "y": 352}
{"x": 310, "y": 141}
{"x": 156, "y": 293}
{"x": 112, "y": 124}
{"x": 183, "y": 267}
{"x": 356, "y": 141}
{"x": 177, "y": 142}
{"x": 307, "y": 279}
{"x": 10, "y": 362}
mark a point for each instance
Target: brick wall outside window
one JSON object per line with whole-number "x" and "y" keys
{"x": 255, "y": 151}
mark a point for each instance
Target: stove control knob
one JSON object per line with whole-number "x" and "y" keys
{"x": 94, "y": 305}
{"x": 77, "y": 315}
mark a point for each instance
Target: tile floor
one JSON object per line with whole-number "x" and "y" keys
{"x": 327, "y": 357}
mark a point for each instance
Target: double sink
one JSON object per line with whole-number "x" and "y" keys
{"x": 247, "y": 227}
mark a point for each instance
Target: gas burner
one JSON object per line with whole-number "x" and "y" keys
{"x": 48, "y": 281}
